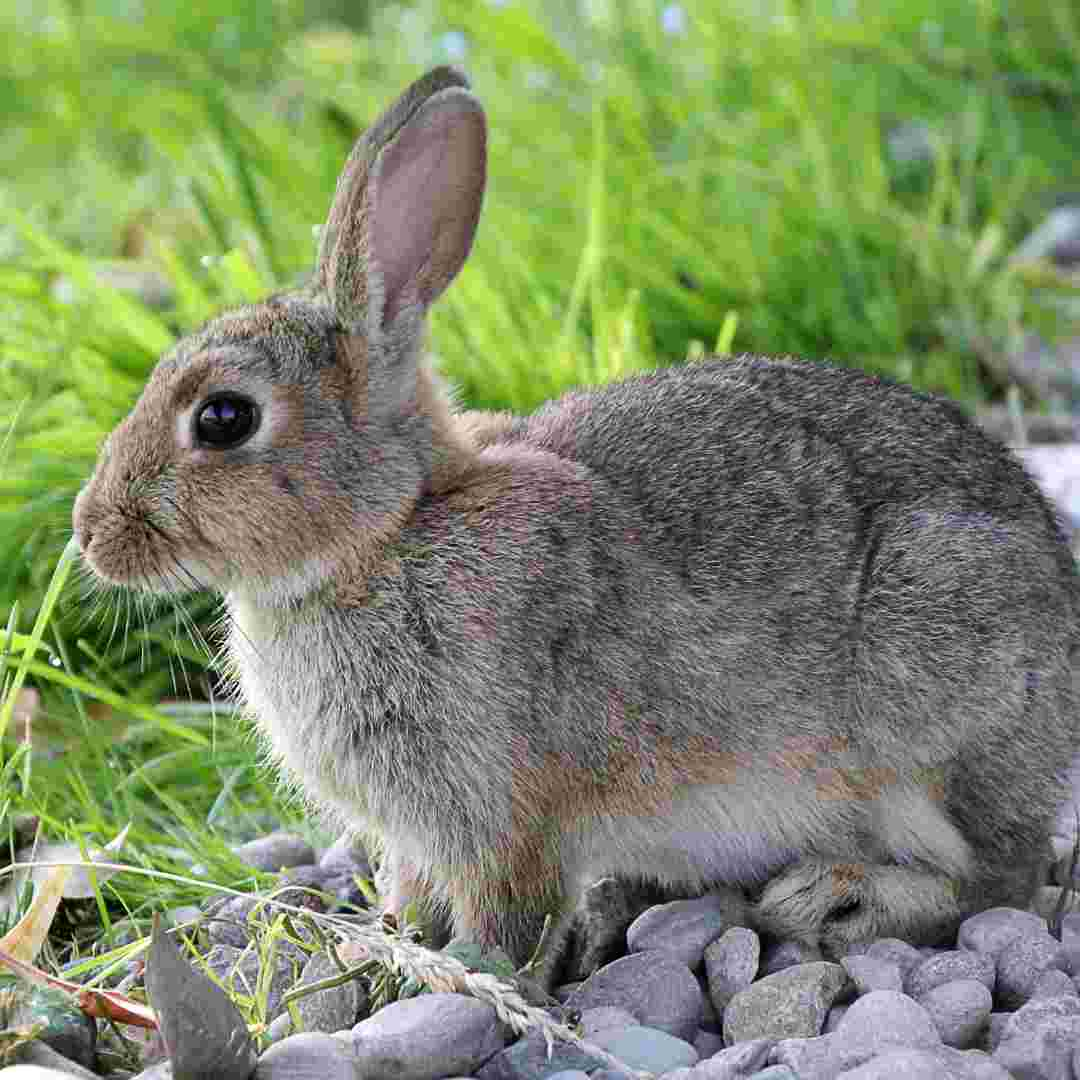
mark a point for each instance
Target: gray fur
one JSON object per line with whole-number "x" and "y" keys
{"x": 765, "y": 623}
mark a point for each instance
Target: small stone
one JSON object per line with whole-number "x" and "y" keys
{"x": 870, "y": 973}
{"x": 946, "y": 967}
{"x": 1044, "y": 1050}
{"x": 311, "y": 1055}
{"x": 279, "y": 1028}
{"x": 731, "y": 963}
{"x": 1057, "y": 238}
{"x": 884, "y": 1018}
{"x": 240, "y": 969}
{"x": 928, "y": 1064}
{"x": 648, "y": 1049}
{"x": 899, "y": 952}
{"x": 184, "y": 914}
{"x": 160, "y": 1070}
{"x": 1051, "y": 984}
{"x": 276, "y": 851}
{"x": 1030, "y": 1016}
{"x": 528, "y": 1059}
{"x": 736, "y": 1061}
{"x": 789, "y": 1004}
{"x": 821, "y": 1057}
{"x": 605, "y": 1018}
{"x": 431, "y": 1035}
{"x": 991, "y": 930}
{"x": 658, "y": 991}
{"x": 1070, "y": 959}
{"x": 1021, "y": 962}
{"x": 683, "y": 928}
{"x": 331, "y": 1009}
{"x": 569, "y": 1074}
{"x": 960, "y": 1011}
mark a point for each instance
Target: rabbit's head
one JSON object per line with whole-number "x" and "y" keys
{"x": 285, "y": 439}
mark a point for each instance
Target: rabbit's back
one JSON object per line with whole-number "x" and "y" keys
{"x": 734, "y": 455}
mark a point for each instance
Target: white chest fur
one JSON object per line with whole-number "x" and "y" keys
{"x": 288, "y": 681}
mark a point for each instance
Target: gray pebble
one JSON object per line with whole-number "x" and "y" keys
{"x": 648, "y": 1049}
{"x": 240, "y": 969}
{"x": 990, "y": 931}
{"x": 658, "y": 991}
{"x": 311, "y": 1055}
{"x": 430, "y": 1035}
{"x": 683, "y": 928}
{"x": 1030, "y": 1016}
{"x": 1056, "y": 237}
{"x": 731, "y": 963}
{"x": 279, "y": 1028}
{"x": 928, "y": 1064}
{"x": 899, "y": 952}
{"x": 883, "y": 1018}
{"x": 960, "y": 1011}
{"x": 278, "y": 850}
{"x": 1070, "y": 958}
{"x": 1042, "y": 1051}
{"x": 870, "y": 973}
{"x": 528, "y": 1059}
{"x": 947, "y": 967}
{"x": 1052, "y": 983}
{"x": 736, "y": 1061}
{"x": 1019, "y": 965}
{"x": 603, "y": 1018}
{"x": 332, "y": 1009}
{"x": 788, "y": 1004}
{"x": 160, "y": 1070}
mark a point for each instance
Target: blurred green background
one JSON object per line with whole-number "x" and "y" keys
{"x": 825, "y": 177}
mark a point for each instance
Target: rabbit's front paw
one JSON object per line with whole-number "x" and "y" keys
{"x": 835, "y": 906}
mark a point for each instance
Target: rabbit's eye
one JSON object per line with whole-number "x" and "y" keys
{"x": 226, "y": 421}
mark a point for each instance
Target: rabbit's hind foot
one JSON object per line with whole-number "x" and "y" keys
{"x": 837, "y": 906}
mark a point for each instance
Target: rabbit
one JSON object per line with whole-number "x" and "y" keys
{"x": 771, "y": 624}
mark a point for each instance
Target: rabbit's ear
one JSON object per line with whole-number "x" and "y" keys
{"x": 407, "y": 202}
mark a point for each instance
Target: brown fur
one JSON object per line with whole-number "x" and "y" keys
{"x": 765, "y": 623}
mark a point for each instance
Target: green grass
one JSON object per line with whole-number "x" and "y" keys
{"x": 652, "y": 193}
